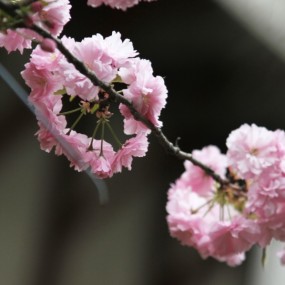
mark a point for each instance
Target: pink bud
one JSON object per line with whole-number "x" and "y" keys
{"x": 48, "y": 45}
{"x": 36, "y": 6}
{"x": 28, "y": 21}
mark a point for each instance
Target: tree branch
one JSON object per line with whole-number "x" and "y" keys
{"x": 163, "y": 140}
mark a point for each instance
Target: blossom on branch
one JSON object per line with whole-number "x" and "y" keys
{"x": 54, "y": 81}
{"x": 225, "y": 219}
{"x": 51, "y": 15}
{"x": 146, "y": 92}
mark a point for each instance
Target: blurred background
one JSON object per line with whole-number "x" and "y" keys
{"x": 53, "y": 229}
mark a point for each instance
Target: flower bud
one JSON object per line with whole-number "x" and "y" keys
{"x": 28, "y": 21}
{"x": 36, "y": 6}
{"x": 48, "y": 45}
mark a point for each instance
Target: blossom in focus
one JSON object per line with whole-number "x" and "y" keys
{"x": 103, "y": 56}
{"x": 251, "y": 150}
{"x": 54, "y": 82}
{"x": 135, "y": 147}
{"x": 196, "y": 178}
{"x": 146, "y": 92}
{"x": 224, "y": 221}
{"x": 206, "y": 218}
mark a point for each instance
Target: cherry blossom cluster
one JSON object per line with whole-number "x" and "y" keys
{"x": 222, "y": 205}
{"x": 117, "y": 4}
{"x": 225, "y": 220}
{"x": 51, "y": 15}
{"x": 52, "y": 79}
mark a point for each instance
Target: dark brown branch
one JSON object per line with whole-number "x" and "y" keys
{"x": 168, "y": 146}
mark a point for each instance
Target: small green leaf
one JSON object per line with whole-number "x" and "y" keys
{"x": 60, "y": 92}
{"x": 94, "y": 108}
{"x": 117, "y": 79}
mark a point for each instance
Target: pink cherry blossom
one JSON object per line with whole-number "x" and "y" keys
{"x": 117, "y": 4}
{"x": 251, "y": 150}
{"x": 134, "y": 147}
{"x": 50, "y": 76}
{"x": 18, "y": 39}
{"x": 54, "y": 15}
{"x": 101, "y": 159}
{"x": 197, "y": 222}
{"x": 208, "y": 217}
{"x": 102, "y": 56}
{"x": 49, "y": 14}
{"x": 224, "y": 221}
{"x": 196, "y": 178}
{"x": 146, "y": 92}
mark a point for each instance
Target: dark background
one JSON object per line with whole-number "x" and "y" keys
{"x": 53, "y": 228}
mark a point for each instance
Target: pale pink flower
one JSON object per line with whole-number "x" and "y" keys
{"x": 77, "y": 84}
{"x": 41, "y": 81}
{"x": 198, "y": 224}
{"x": 187, "y": 227}
{"x": 54, "y": 15}
{"x": 48, "y": 139}
{"x": 50, "y": 14}
{"x": 129, "y": 73}
{"x": 272, "y": 226}
{"x": 146, "y": 92}
{"x": 232, "y": 236}
{"x": 196, "y": 178}
{"x": 133, "y": 147}
{"x": 74, "y": 147}
{"x": 46, "y": 60}
{"x": 266, "y": 192}
{"x": 225, "y": 222}
{"x": 119, "y": 51}
{"x": 251, "y": 150}
{"x": 91, "y": 51}
{"x": 101, "y": 158}
{"x": 102, "y": 56}
{"x": 51, "y": 77}
{"x": 204, "y": 216}
{"x": 18, "y": 39}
